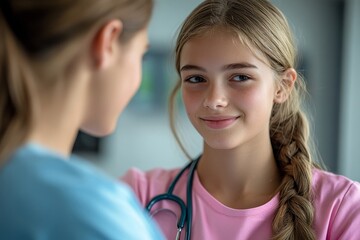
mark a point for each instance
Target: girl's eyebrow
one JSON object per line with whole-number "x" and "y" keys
{"x": 238, "y": 66}
{"x": 231, "y": 66}
{"x": 190, "y": 67}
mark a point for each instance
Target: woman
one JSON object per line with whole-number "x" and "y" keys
{"x": 65, "y": 66}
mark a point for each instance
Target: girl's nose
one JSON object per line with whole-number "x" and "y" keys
{"x": 215, "y": 98}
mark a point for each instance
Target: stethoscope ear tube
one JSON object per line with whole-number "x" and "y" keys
{"x": 176, "y": 199}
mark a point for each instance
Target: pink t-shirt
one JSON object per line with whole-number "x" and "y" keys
{"x": 336, "y": 202}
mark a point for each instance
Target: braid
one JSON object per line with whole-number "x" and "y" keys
{"x": 295, "y": 214}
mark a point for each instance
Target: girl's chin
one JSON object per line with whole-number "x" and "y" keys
{"x": 220, "y": 145}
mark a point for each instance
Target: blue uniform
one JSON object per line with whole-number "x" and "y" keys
{"x": 44, "y": 196}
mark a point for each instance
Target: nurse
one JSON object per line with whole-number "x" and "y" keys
{"x": 64, "y": 66}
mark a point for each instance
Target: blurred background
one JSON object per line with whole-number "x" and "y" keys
{"x": 328, "y": 38}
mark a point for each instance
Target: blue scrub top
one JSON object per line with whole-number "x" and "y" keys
{"x": 44, "y": 196}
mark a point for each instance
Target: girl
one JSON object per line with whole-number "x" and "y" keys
{"x": 64, "y": 66}
{"x": 256, "y": 178}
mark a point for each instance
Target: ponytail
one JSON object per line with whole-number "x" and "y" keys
{"x": 50, "y": 35}
{"x": 15, "y": 96}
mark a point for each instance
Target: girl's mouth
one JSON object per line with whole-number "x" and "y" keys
{"x": 219, "y": 122}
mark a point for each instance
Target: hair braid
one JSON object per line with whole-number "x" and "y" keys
{"x": 295, "y": 214}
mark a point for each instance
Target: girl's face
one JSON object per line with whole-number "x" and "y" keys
{"x": 228, "y": 92}
{"x": 112, "y": 91}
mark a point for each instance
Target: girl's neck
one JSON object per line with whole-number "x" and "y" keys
{"x": 240, "y": 178}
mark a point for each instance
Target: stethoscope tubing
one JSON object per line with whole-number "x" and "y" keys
{"x": 174, "y": 198}
{"x": 189, "y": 197}
{"x": 186, "y": 209}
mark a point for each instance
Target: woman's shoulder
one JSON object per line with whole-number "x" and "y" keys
{"x": 37, "y": 172}
{"x": 47, "y": 190}
{"x": 44, "y": 168}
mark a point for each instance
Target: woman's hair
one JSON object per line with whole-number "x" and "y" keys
{"x": 39, "y": 44}
{"x": 264, "y": 29}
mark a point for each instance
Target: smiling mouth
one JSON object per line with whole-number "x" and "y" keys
{"x": 219, "y": 123}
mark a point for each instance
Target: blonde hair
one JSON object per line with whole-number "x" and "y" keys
{"x": 39, "y": 43}
{"x": 263, "y": 28}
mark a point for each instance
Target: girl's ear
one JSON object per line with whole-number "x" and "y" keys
{"x": 105, "y": 43}
{"x": 285, "y": 86}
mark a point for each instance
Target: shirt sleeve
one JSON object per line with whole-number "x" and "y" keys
{"x": 45, "y": 197}
{"x": 346, "y": 223}
{"x": 111, "y": 213}
{"x": 136, "y": 179}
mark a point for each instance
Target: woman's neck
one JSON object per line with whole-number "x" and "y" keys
{"x": 240, "y": 178}
{"x": 58, "y": 135}
{"x": 59, "y": 116}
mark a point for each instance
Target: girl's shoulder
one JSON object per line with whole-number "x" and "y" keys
{"x": 146, "y": 184}
{"x": 336, "y": 203}
{"x": 329, "y": 183}
{"x": 156, "y": 174}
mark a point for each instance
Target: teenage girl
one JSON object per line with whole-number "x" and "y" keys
{"x": 256, "y": 177}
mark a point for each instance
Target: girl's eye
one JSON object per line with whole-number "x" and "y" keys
{"x": 195, "y": 79}
{"x": 240, "y": 78}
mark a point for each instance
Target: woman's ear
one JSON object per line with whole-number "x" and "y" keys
{"x": 105, "y": 43}
{"x": 286, "y": 85}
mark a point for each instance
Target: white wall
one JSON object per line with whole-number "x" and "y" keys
{"x": 349, "y": 157}
{"x": 166, "y": 20}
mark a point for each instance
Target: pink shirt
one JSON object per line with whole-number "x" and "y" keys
{"x": 336, "y": 202}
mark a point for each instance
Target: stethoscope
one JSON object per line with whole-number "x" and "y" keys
{"x": 185, "y": 210}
